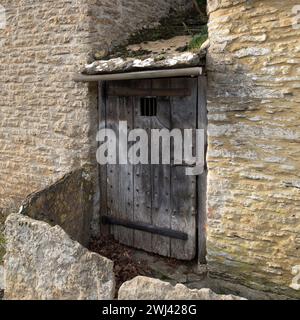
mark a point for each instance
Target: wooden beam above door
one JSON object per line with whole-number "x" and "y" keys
{"x": 151, "y": 92}
{"x": 150, "y": 74}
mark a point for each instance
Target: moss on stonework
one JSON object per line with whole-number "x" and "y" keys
{"x": 123, "y": 52}
{"x": 160, "y": 57}
{"x": 198, "y": 40}
{"x": 202, "y": 2}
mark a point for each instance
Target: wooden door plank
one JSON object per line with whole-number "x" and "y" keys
{"x": 142, "y": 178}
{"x": 183, "y": 187}
{"x": 104, "y": 229}
{"x": 161, "y": 193}
{"x": 112, "y": 118}
{"x": 126, "y": 176}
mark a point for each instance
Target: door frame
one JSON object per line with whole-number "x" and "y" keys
{"x": 201, "y": 181}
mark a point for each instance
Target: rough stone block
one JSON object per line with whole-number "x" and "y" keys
{"x": 144, "y": 288}
{"x": 43, "y": 263}
{"x": 67, "y": 203}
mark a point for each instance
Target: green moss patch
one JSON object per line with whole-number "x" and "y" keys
{"x": 198, "y": 40}
{"x": 202, "y": 2}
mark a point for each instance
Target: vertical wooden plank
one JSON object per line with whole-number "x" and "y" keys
{"x": 112, "y": 118}
{"x": 202, "y": 179}
{"x": 161, "y": 193}
{"x": 142, "y": 179}
{"x": 183, "y": 187}
{"x": 126, "y": 174}
{"x": 104, "y": 229}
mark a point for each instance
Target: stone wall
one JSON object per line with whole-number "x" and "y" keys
{"x": 254, "y": 136}
{"x": 48, "y": 122}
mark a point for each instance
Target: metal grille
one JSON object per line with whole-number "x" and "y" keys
{"x": 149, "y": 107}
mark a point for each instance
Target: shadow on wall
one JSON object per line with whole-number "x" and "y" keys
{"x": 67, "y": 203}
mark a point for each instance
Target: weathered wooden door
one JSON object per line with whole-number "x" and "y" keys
{"x": 151, "y": 207}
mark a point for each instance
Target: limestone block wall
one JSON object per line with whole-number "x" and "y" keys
{"x": 254, "y": 143}
{"x": 48, "y": 122}
{"x": 45, "y": 118}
